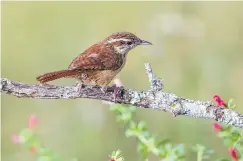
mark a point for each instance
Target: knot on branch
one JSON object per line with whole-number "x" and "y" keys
{"x": 4, "y": 82}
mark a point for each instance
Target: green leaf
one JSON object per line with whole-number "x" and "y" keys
{"x": 168, "y": 147}
{"x": 117, "y": 155}
{"x": 147, "y": 135}
{"x": 179, "y": 149}
{"x": 163, "y": 142}
{"x": 228, "y": 142}
{"x": 116, "y": 107}
{"x": 235, "y": 137}
{"x": 142, "y": 126}
{"x": 25, "y": 135}
{"x": 129, "y": 133}
{"x": 231, "y": 104}
{"x": 132, "y": 125}
{"x": 143, "y": 150}
{"x": 224, "y": 134}
{"x": 182, "y": 157}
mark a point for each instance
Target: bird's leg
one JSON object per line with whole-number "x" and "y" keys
{"x": 117, "y": 91}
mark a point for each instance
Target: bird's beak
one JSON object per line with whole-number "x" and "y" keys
{"x": 144, "y": 42}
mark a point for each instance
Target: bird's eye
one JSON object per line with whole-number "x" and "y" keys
{"x": 129, "y": 43}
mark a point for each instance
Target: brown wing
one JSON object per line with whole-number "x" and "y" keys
{"x": 97, "y": 57}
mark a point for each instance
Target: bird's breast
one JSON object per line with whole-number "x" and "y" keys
{"x": 102, "y": 77}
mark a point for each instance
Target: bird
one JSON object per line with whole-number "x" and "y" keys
{"x": 101, "y": 62}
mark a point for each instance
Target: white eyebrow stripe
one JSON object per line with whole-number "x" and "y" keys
{"x": 115, "y": 40}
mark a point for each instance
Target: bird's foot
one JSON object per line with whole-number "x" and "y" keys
{"x": 117, "y": 92}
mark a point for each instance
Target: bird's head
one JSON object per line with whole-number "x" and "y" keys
{"x": 123, "y": 42}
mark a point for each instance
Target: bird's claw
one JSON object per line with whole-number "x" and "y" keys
{"x": 117, "y": 92}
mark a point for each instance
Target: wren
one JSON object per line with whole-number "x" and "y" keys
{"x": 101, "y": 62}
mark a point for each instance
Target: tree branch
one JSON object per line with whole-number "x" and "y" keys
{"x": 155, "y": 98}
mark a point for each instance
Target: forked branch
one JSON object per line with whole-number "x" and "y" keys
{"x": 155, "y": 98}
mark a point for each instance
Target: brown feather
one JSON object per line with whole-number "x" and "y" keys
{"x": 97, "y": 57}
{"x": 56, "y": 75}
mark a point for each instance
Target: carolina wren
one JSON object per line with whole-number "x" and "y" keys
{"x": 101, "y": 62}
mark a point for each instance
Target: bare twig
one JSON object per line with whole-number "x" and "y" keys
{"x": 154, "y": 98}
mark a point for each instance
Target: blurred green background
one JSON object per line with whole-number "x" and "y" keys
{"x": 197, "y": 51}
